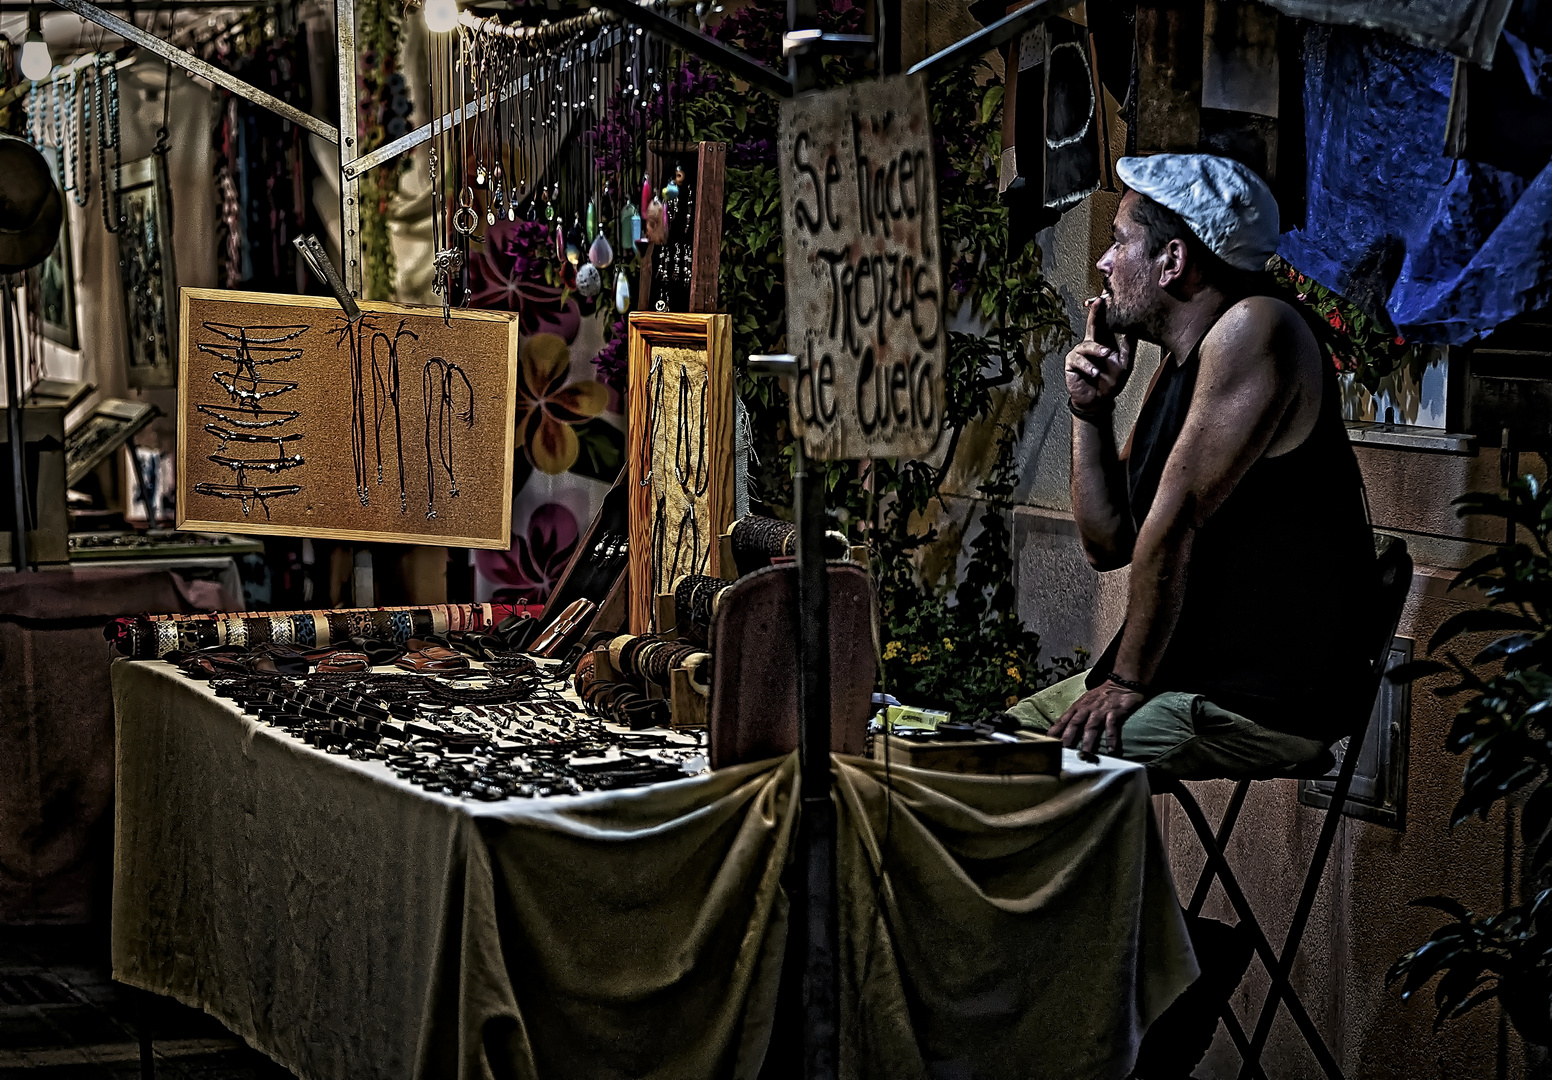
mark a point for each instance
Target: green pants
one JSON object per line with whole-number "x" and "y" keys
{"x": 1182, "y": 736}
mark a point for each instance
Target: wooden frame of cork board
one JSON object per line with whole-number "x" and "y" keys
{"x": 292, "y": 422}
{"x": 681, "y": 475}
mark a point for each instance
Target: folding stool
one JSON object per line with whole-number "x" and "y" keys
{"x": 1394, "y": 567}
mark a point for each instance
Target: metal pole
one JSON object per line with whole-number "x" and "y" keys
{"x": 816, "y": 827}
{"x": 13, "y": 413}
{"x": 195, "y": 66}
{"x": 350, "y": 182}
{"x": 887, "y": 30}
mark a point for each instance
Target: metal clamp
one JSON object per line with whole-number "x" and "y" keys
{"x": 318, "y": 262}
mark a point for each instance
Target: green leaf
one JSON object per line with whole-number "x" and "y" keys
{"x": 602, "y": 450}
{"x": 991, "y": 101}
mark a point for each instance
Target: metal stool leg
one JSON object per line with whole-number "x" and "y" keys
{"x": 1280, "y": 990}
{"x": 1263, "y": 947}
{"x": 1221, "y": 842}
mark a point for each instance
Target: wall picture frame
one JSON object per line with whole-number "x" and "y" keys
{"x": 149, "y": 276}
{"x": 56, "y": 278}
{"x": 680, "y": 452}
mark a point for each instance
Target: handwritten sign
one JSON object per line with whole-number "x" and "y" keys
{"x": 864, "y": 271}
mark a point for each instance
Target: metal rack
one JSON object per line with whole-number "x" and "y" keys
{"x": 799, "y": 43}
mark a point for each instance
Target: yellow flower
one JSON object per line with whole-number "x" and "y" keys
{"x": 547, "y": 407}
{"x": 919, "y": 655}
{"x": 948, "y": 644}
{"x": 1013, "y": 673}
{"x": 1011, "y": 700}
{"x": 892, "y": 650}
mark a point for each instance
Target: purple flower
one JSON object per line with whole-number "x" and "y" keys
{"x": 612, "y": 359}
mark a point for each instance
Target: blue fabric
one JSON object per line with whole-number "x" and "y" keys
{"x": 1449, "y": 253}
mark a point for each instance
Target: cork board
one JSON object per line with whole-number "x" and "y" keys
{"x": 680, "y": 452}
{"x": 291, "y": 422}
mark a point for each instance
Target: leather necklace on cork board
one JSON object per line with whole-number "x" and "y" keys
{"x": 294, "y": 422}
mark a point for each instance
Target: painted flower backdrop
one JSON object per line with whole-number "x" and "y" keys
{"x": 570, "y": 439}
{"x": 548, "y": 405}
{"x": 538, "y": 558}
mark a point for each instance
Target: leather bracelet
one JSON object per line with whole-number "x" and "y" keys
{"x": 1129, "y": 684}
{"x": 1093, "y": 416}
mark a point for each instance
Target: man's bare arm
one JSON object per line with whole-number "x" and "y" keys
{"x": 1097, "y": 369}
{"x": 1245, "y": 386}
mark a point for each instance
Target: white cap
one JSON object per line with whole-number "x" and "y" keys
{"x": 1227, "y": 205}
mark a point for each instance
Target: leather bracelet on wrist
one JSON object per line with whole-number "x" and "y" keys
{"x": 1129, "y": 684}
{"x": 1093, "y": 416}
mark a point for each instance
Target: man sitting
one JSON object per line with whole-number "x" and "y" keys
{"x": 1236, "y": 501}
{"x": 1238, "y": 504}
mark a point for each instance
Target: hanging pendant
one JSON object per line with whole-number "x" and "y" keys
{"x": 589, "y": 281}
{"x": 574, "y": 242}
{"x": 622, "y": 295}
{"x": 592, "y": 219}
{"x": 646, "y": 192}
{"x": 479, "y": 176}
{"x": 560, "y": 242}
{"x": 671, "y": 189}
{"x": 630, "y": 228}
{"x": 600, "y": 254}
{"x": 655, "y": 222}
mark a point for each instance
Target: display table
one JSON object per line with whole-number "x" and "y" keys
{"x": 56, "y": 719}
{"x": 352, "y": 925}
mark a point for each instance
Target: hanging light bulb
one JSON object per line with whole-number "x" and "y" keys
{"x": 36, "y": 62}
{"x": 441, "y": 15}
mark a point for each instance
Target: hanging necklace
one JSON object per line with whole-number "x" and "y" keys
{"x": 445, "y": 258}
{"x": 54, "y": 111}
{"x": 83, "y": 192}
{"x": 67, "y": 152}
{"x": 437, "y": 386}
{"x": 108, "y": 139}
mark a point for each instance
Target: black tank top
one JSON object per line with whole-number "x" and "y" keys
{"x": 1280, "y": 584}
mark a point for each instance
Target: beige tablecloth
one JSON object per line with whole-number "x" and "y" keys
{"x": 352, "y": 925}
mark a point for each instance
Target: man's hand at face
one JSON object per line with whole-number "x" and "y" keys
{"x": 1099, "y": 365}
{"x": 1100, "y": 711}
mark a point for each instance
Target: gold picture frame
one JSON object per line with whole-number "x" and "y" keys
{"x": 680, "y": 452}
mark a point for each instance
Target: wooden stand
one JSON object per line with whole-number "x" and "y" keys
{"x": 710, "y": 164}
{"x": 689, "y": 706}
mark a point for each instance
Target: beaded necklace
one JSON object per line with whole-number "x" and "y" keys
{"x": 83, "y": 189}
{"x": 108, "y": 139}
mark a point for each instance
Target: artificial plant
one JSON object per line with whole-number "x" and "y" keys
{"x": 1502, "y": 727}
{"x": 382, "y": 114}
{"x": 1356, "y": 343}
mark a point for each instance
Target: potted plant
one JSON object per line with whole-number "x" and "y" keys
{"x": 1502, "y": 726}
